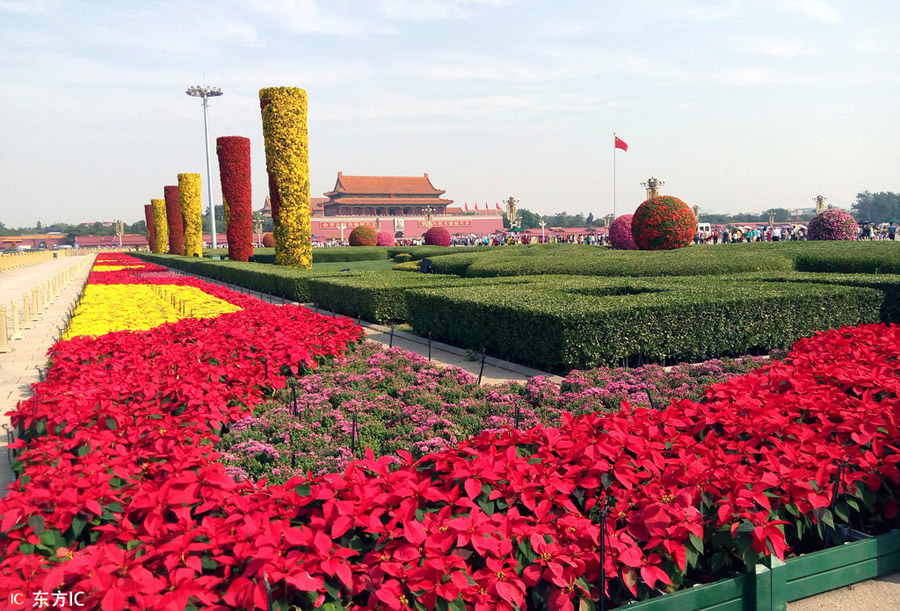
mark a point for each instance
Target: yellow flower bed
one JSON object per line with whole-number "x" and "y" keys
{"x": 116, "y": 307}
{"x": 110, "y": 268}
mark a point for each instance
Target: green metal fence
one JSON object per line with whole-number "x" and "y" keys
{"x": 775, "y": 583}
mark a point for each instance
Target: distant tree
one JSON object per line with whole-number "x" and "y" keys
{"x": 139, "y": 227}
{"x": 589, "y": 220}
{"x": 39, "y": 227}
{"x": 220, "y": 220}
{"x": 530, "y": 220}
{"x": 881, "y": 207}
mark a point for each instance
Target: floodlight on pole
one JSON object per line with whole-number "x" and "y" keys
{"x": 207, "y": 92}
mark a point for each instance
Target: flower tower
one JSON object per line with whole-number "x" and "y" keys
{"x": 191, "y": 211}
{"x": 151, "y": 231}
{"x": 663, "y": 223}
{"x": 160, "y": 226}
{"x": 287, "y": 162}
{"x": 174, "y": 220}
{"x": 234, "y": 169}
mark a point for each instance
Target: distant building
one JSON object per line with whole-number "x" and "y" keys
{"x": 384, "y": 196}
{"x": 392, "y": 203}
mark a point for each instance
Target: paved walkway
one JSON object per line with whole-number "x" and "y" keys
{"x": 19, "y": 368}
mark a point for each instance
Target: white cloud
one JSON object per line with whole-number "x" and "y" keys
{"x": 777, "y": 47}
{"x": 818, "y": 9}
{"x": 434, "y": 10}
{"x": 763, "y": 76}
{"x": 23, "y": 7}
{"x": 305, "y": 17}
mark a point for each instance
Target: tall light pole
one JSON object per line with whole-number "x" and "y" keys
{"x": 207, "y": 92}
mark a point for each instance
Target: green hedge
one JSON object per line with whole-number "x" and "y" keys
{"x": 585, "y": 260}
{"x": 417, "y": 253}
{"x": 562, "y": 322}
{"x": 378, "y": 296}
{"x": 284, "y": 282}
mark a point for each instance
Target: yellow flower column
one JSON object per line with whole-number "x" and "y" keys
{"x": 191, "y": 212}
{"x": 160, "y": 226}
{"x": 287, "y": 161}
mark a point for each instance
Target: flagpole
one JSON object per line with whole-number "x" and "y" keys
{"x": 614, "y": 175}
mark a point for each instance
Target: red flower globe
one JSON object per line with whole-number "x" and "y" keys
{"x": 437, "y": 236}
{"x": 363, "y": 236}
{"x": 268, "y": 240}
{"x": 663, "y": 223}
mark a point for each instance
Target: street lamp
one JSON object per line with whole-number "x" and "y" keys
{"x": 652, "y": 185}
{"x": 543, "y": 224}
{"x": 120, "y": 230}
{"x": 207, "y": 92}
{"x": 429, "y": 217}
{"x": 259, "y": 227}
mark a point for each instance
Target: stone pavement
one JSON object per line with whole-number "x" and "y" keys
{"x": 19, "y": 369}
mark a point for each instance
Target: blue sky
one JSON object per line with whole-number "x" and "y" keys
{"x": 738, "y": 106}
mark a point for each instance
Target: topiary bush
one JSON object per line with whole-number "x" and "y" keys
{"x": 663, "y": 223}
{"x": 363, "y": 236}
{"x": 268, "y": 240}
{"x": 386, "y": 238}
{"x": 437, "y": 236}
{"x": 832, "y": 224}
{"x": 620, "y": 233}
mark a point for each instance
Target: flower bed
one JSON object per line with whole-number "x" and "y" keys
{"x": 401, "y": 401}
{"x": 120, "y": 496}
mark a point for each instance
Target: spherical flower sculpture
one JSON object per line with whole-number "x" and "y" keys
{"x": 268, "y": 240}
{"x": 620, "y": 233}
{"x": 832, "y": 224}
{"x": 437, "y": 236}
{"x": 363, "y": 236}
{"x": 663, "y": 223}
{"x": 386, "y": 238}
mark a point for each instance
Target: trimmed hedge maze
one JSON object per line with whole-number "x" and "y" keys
{"x": 609, "y": 307}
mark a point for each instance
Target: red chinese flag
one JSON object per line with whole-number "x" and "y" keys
{"x": 497, "y": 206}
{"x": 476, "y": 206}
{"x": 467, "y": 206}
{"x": 620, "y": 144}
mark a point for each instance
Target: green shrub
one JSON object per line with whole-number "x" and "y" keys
{"x": 349, "y": 253}
{"x": 379, "y": 296}
{"x": 402, "y": 257}
{"x": 424, "y": 252}
{"x": 561, "y": 322}
{"x": 407, "y": 266}
{"x": 585, "y": 260}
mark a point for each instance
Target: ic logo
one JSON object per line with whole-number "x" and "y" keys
{"x": 17, "y": 598}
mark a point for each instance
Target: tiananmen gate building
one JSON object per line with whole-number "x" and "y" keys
{"x": 397, "y": 204}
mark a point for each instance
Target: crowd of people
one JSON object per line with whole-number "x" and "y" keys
{"x": 712, "y": 235}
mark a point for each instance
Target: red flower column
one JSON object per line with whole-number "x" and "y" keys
{"x": 234, "y": 169}
{"x": 151, "y": 230}
{"x": 174, "y": 220}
